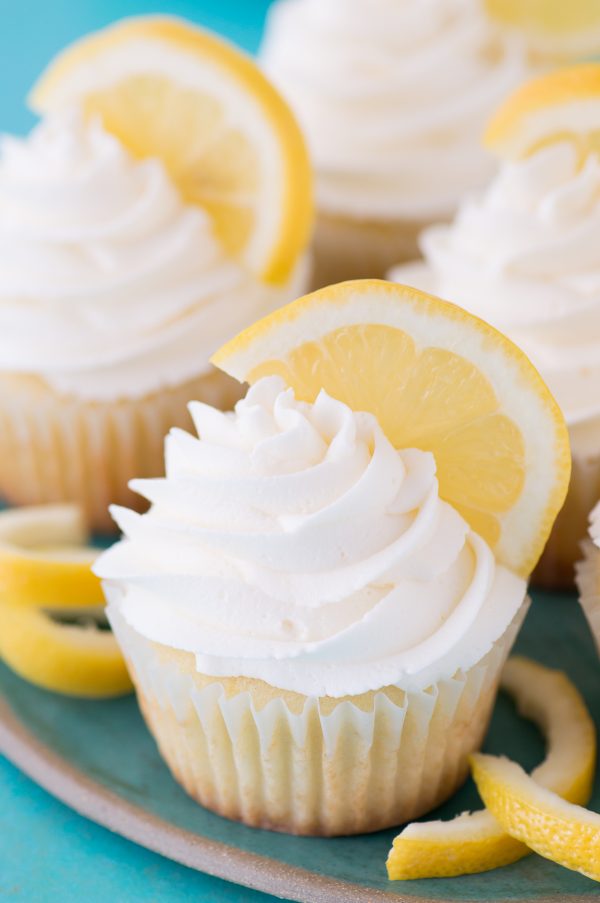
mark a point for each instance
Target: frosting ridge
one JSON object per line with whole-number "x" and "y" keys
{"x": 109, "y": 283}
{"x": 393, "y": 102}
{"x": 292, "y": 543}
{"x": 523, "y": 256}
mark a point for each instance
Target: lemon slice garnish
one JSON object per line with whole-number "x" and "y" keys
{"x": 44, "y": 559}
{"x": 556, "y": 829}
{"x": 45, "y": 565}
{"x": 476, "y": 842}
{"x": 563, "y": 105}
{"x": 170, "y": 90}
{"x": 437, "y": 379}
{"x": 557, "y": 29}
{"x": 78, "y": 661}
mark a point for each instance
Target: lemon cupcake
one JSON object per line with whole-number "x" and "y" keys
{"x": 162, "y": 204}
{"x": 393, "y": 96}
{"x": 523, "y": 255}
{"x": 317, "y": 606}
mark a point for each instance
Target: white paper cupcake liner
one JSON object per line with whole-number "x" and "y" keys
{"x": 305, "y": 765}
{"x": 57, "y": 448}
{"x": 556, "y": 568}
{"x": 346, "y": 248}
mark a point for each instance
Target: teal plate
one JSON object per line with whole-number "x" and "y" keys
{"x": 99, "y": 758}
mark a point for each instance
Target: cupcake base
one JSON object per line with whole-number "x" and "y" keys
{"x": 57, "y": 448}
{"x": 556, "y": 568}
{"x": 303, "y": 765}
{"x": 347, "y": 248}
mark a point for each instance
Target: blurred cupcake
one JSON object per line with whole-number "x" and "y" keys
{"x": 393, "y": 96}
{"x": 524, "y": 255}
{"x": 315, "y": 636}
{"x": 588, "y": 575}
{"x": 123, "y": 265}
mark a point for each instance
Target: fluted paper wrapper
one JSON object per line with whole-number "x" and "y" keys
{"x": 346, "y": 248}
{"x": 556, "y": 568}
{"x": 56, "y": 448}
{"x": 588, "y": 583}
{"x": 305, "y": 765}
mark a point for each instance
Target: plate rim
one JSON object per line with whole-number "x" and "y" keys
{"x": 92, "y": 800}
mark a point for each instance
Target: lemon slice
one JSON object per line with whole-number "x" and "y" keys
{"x": 549, "y": 825}
{"x": 560, "y": 29}
{"x": 44, "y": 561}
{"x": 476, "y": 842}
{"x": 437, "y": 379}
{"x": 170, "y": 90}
{"x": 562, "y": 105}
{"x": 78, "y": 661}
{"x": 45, "y": 564}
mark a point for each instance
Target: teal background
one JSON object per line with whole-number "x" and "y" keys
{"x": 32, "y": 31}
{"x": 48, "y": 854}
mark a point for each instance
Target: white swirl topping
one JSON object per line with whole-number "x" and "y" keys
{"x": 109, "y": 284}
{"x": 523, "y": 255}
{"x": 393, "y": 96}
{"x": 292, "y": 543}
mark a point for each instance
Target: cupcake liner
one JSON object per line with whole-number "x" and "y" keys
{"x": 56, "y": 448}
{"x": 556, "y": 568}
{"x": 306, "y": 765}
{"x": 588, "y": 584}
{"x": 346, "y": 248}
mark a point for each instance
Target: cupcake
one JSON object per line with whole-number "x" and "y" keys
{"x": 314, "y": 631}
{"x": 523, "y": 255}
{"x": 588, "y": 575}
{"x": 124, "y": 266}
{"x": 392, "y": 96}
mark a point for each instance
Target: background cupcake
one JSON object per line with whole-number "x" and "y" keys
{"x": 393, "y": 96}
{"x": 130, "y": 250}
{"x": 315, "y": 635}
{"x": 523, "y": 255}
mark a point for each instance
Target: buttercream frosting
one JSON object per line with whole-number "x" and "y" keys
{"x": 523, "y": 255}
{"x": 110, "y": 285}
{"x": 393, "y": 96}
{"x": 292, "y": 543}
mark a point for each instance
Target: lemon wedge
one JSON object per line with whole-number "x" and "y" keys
{"x": 476, "y": 842}
{"x": 557, "y": 29}
{"x": 563, "y": 105}
{"x": 78, "y": 661}
{"x": 44, "y": 559}
{"x": 437, "y": 379}
{"x": 45, "y": 567}
{"x": 556, "y": 829}
{"x": 170, "y": 90}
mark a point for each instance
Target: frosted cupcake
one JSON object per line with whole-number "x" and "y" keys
{"x": 315, "y": 635}
{"x": 523, "y": 255}
{"x": 122, "y": 267}
{"x": 393, "y": 96}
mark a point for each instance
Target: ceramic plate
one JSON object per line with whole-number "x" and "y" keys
{"x": 99, "y": 758}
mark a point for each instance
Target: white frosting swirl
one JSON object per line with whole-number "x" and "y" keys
{"x": 523, "y": 255}
{"x": 393, "y": 96}
{"x": 109, "y": 284}
{"x": 294, "y": 544}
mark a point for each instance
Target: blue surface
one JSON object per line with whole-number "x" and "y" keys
{"x": 48, "y": 854}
